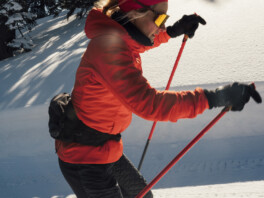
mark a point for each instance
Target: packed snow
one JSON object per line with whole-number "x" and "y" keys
{"x": 227, "y": 162}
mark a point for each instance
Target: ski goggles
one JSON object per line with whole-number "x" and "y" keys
{"x": 160, "y": 19}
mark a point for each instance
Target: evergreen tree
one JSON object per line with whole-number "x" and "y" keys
{"x": 13, "y": 18}
{"x": 44, "y": 8}
{"x": 72, "y": 5}
{"x": 18, "y": 15}
{"x": 7, "y": 35}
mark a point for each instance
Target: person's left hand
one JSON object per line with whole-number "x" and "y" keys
{"x": 188, "y": 24}
{"x": 235, "y": 95}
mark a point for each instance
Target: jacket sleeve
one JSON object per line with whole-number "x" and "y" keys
{"x": 113, "y": 66}
{"x": 162, "y": 37}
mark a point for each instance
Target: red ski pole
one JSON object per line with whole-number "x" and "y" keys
{"x": 182, "y": 153}
{"x": 167, "y": 88}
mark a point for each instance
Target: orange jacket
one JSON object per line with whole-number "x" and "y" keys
{"x": 109, "y": 87}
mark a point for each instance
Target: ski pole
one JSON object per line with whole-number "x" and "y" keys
{"x": 183, "y": 152}
{"x": 185, "y": 38}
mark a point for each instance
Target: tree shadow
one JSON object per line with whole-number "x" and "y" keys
{"x": 50, "y": 71}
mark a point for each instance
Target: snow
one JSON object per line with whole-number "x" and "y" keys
{"x": 12, "y": 5}
{"x": 14, "y": 18}
{"x": 29, "y": 15}
{"x": 233, "y": 190}
{"x": 227, "y": 162}
{"x": 3, "y": 12}
{"x": 25, "y": 43}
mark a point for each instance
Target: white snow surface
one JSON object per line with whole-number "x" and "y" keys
{"x": 227, "y": 162}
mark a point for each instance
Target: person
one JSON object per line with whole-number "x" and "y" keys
{"x": 110, "y": 86}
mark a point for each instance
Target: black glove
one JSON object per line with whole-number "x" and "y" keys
{"x": 235, "y": 95}
{"x": 186, "y": 25}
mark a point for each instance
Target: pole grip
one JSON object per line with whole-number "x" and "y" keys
{"x": 185, "y": 38}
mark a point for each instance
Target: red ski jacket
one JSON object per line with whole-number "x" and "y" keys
{"x": 109, "y": 87}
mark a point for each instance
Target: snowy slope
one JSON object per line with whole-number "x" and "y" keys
{"x": 226, "y": 154}
{"x": 230, "y": 153}
{"x": 233, "y": 190}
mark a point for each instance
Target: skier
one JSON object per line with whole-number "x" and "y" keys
{"x": 110, "y": 86}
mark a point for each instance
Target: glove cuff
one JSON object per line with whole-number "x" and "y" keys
{"x": 170, "y": 31}
{"x": 210, "y": 95}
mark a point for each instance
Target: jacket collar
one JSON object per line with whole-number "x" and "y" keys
{"x": 98, "y": 24}
{"x": 131, "y": 29}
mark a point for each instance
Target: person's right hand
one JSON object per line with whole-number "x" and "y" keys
{"x": 235, "y": 95}
{"x": 188, "y": 24}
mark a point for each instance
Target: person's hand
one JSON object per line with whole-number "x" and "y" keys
{"x": 235, "y": 95}
{"x": 186, "y": 25}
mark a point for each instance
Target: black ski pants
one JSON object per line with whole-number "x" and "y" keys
{"x": 116, "y": 180}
